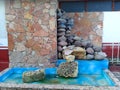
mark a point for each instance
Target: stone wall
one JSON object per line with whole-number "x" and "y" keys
{"x": 31, "y": 26}
{"x": 88, "y": 25}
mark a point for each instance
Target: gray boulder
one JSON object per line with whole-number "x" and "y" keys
{"x": 60, "y": 48}
{"x": 97, "y": 48}
{"x": 61, "y": 33}
{"x": 78, "y": 43}
{"x": 62, "y": 38}
{"x": 90, "y": 51}
{"x": 100, "y": 55}
{"x": 62, "y": 43}
{"x": 89, "y": 56}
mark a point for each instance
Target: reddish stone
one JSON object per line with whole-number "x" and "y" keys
{"x": 40, "y": 33}
{"x": 10, "y": 30}
{"x": 36, "y": 47}
{"x": 20, "y": 37}
{"x": 29, "y": 43}
{"x": 30, "y": 27}
{"x": 10, "y": 42}
{"x": 37, "y": 26}
{"x": 54, "y": 45}
{"x": 44, "y": 52}
{"x": 19, "y": 28}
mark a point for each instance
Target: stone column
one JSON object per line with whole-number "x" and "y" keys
{"x": 32, "y": 32}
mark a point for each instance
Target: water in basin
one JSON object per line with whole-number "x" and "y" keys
{"x": 93, "y": 77}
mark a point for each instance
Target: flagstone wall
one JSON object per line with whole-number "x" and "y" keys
{"x": 31, "y": 26}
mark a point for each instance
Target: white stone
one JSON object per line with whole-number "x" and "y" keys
{"x": 12, "y": 25}
{"x": 10, "y": 17}
{"x": 20, "y": 47}
{"x": 52, "y": 12}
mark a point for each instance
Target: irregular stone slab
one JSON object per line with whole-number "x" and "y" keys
{"x": 68, "y": 69}
{"x": 33, "y": 76}
{"x": 62, "y": 38}
{"x": 62, "y": 43}
{"x": 79, "y": 52}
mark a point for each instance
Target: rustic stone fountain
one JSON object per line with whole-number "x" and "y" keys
{"x": 71, "y": 44}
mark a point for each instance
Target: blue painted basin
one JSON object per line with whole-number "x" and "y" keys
{"x": 91, "y": 73}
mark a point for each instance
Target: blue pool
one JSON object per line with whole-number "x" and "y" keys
{"x": 91, "y": 73}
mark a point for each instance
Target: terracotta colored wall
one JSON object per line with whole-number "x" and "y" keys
{"x": 88, "y": 25}
{"x": 31, "y": 26}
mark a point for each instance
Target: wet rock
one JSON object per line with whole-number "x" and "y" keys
{"x": 100, "y": 55}
{"x": 33, "y": 76}
{"x": 62, "y": 26}
{"x": 90, "y": 50}
{"x": 62, "y": 38}
{"x": 84, "y": 43}
{"x": 68, "y": 69}
{"x": 78, "y": 43}
{"x": 97, "y": 48}
{"x": 62, "y": 43}
{"x": 61, "y": 34}
{"x": 60, "y": 48}
{"x": 61, "y": 30}
{"x": 80, "y": 53}
{"x": 89, "y": 56}
{"x": 68, "y": 32}
{"x": 61, "y": 20}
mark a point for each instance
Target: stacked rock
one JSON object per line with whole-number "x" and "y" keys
{"x": 87, "y": 52}
{"x": 68, "y": 68}
{"x": 67, "y": 41}
{"x": 64, "y": 25}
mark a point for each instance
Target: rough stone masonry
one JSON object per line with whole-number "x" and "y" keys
{"x": 31, "y": 26}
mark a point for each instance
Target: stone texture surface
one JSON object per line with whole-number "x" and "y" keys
{"x": 31, "y": 26}
{"x": 88, "y": 26}
{"x": 68, "y": 69}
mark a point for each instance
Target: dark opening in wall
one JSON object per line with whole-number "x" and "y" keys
{"x": 89, "y": 5}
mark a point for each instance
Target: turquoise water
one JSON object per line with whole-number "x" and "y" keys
{"x": 89, "y": 80}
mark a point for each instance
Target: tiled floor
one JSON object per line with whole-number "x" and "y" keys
{"x": 117, "y": 74}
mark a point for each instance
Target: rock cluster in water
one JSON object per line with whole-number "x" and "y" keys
{"x": 33, "y": 76}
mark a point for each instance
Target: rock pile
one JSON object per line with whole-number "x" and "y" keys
{"x": 84, "y": 53}
{"x": 33, "y": 76}
{"x": 64, "y": 27}
{"x": 70, "y": 44}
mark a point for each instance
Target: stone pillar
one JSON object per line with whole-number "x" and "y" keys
{"x": 32, "y": 32}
